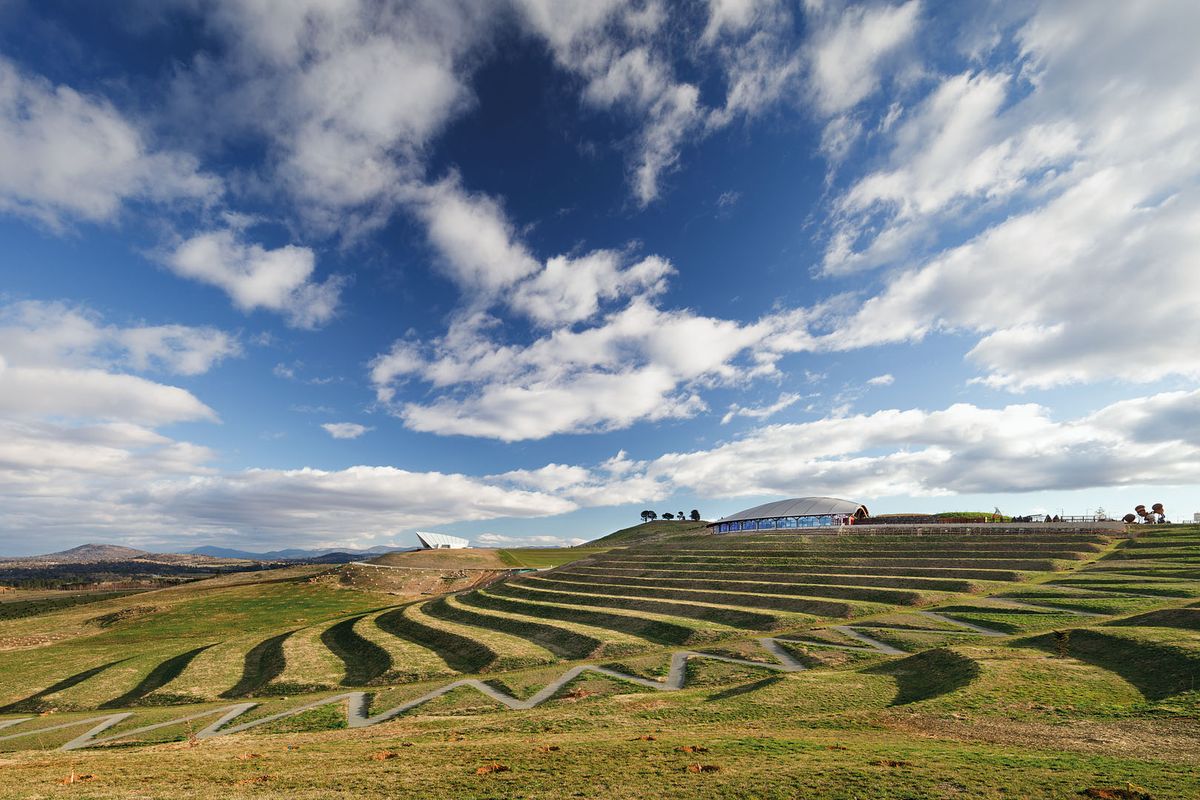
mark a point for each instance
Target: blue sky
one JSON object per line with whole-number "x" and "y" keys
{"x": 322, "y": 273}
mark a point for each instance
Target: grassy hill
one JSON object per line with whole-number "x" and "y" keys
{"x": 950, "y": 665}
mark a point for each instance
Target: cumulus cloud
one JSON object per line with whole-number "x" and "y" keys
{"x": 66, "y": 155}
{"x": 1094, "y": 158}
{"x": 75, "y": 429}
{"x": 64, "y": 361}
{"x": 605, "y": 355}
{"x": 255, "y": 277}
{"x": 478, "y": 244}
{"x": 635, "y": 364}
{"x": 571, "y": 290}
{"x": 354, "y": 505}
{"x": 961, "y": 449}
{"x": 38, "y": 392}
{"x": 122, "y": 479}
{"x": 345, "y": 430}
{"x": 346, "y": 94}
{"x": 850, "y": 46}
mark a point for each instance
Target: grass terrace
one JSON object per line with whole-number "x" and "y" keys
{"x": 846, "y": 650}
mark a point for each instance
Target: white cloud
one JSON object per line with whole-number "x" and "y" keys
{"x": 254, "y": 277}
{"x": 849, "y": 47}
{"x": 54, "y": 334}
{"x": 66, "y": 155}
{"x": 500, "y": 540}
{"x": 37, "y": 393}
{"x": 961, "y": 449}
{"x": 734, "y": 16}
{"x": 347, "y": 94}
{"x": 126, "y": 481}
{"x": 345, "y": 430}
{"x": 887, "y": 379}
{"x": 571, "y": 290}
{"x": 624, "y": 54}
{"x": 638, "y": 363}
{"x": 177, "y": 348}
{"x": 785, "y": 400}
{"x": 1058, "y": 196}
{"x": 349, "y": 506}
{"x": 949, "y": 151}
{"x": 477, "y": 242}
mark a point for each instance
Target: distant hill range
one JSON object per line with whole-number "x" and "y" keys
{"x": 87, "y": 554}
{"x": 106, "y": 553}
{"x": 297, "y": 554}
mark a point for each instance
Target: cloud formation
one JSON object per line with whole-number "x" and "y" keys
{"x": 345, "y": 430}
{"x": 69, "y": 156}
{"x": 1085, "y": 152}
{"x": 255, "y": 277}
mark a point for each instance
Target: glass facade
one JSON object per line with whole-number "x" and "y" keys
{"x": 774, "y": 523}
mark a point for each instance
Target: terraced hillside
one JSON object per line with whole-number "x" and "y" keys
{"x": 845, "y": 653}
{"x": 309, "y": 633}
{"x": 906, "y": 630}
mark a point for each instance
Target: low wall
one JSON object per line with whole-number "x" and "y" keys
{"x": 976, "y": 528}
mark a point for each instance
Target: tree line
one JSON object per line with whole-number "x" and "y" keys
{"x": 650, "y": 516}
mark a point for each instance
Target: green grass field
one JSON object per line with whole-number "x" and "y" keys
{"x": 545, "y": 557}
{"x": 980, "y": 665}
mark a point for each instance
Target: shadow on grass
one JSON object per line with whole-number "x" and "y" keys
{"x": 159, "y": 677}
{"x": 365, "y": 661}
{"x": 745, "y": 688}
{"x": 31, "y": 703}
{"x": 560, "y": 641}
{"x": 927, "y": 675}
{"x": 512, "y": 600}
{"x": 1156, "y": 670}
{"x": 1185, "y": 618}
{"x": 460, "y": 653}
{"x": 264, "y": 662}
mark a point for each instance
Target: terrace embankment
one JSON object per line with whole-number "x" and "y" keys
{"x": 864, "y": 593}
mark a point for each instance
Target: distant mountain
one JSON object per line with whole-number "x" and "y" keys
{"x": 89, "y": 554}
{"x": 333, "y": 554}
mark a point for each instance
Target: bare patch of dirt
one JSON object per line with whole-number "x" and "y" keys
{"x": 75, "y": 777}
{"x": 133, "y": 612}
{"x": 703, "y": 768}
{"x": 489, "y": 769}
{"x": 407, "y": 582}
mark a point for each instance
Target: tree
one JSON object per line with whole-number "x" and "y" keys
{"x": 678, "y": 515}
{"x": 695, "y": 515}
{"x": 668, "y": 515}
{"x": 648, "y": 515}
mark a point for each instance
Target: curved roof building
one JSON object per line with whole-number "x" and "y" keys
{"x": 798, "y": 512}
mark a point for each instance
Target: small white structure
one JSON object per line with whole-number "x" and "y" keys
{"x": 440, "y": 541}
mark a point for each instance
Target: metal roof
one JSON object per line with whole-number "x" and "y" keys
{"x": 435, "y": 540}
{"x": 796, "y": 507}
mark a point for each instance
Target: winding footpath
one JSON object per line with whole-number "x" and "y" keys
{"x": 358, "y": 703}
